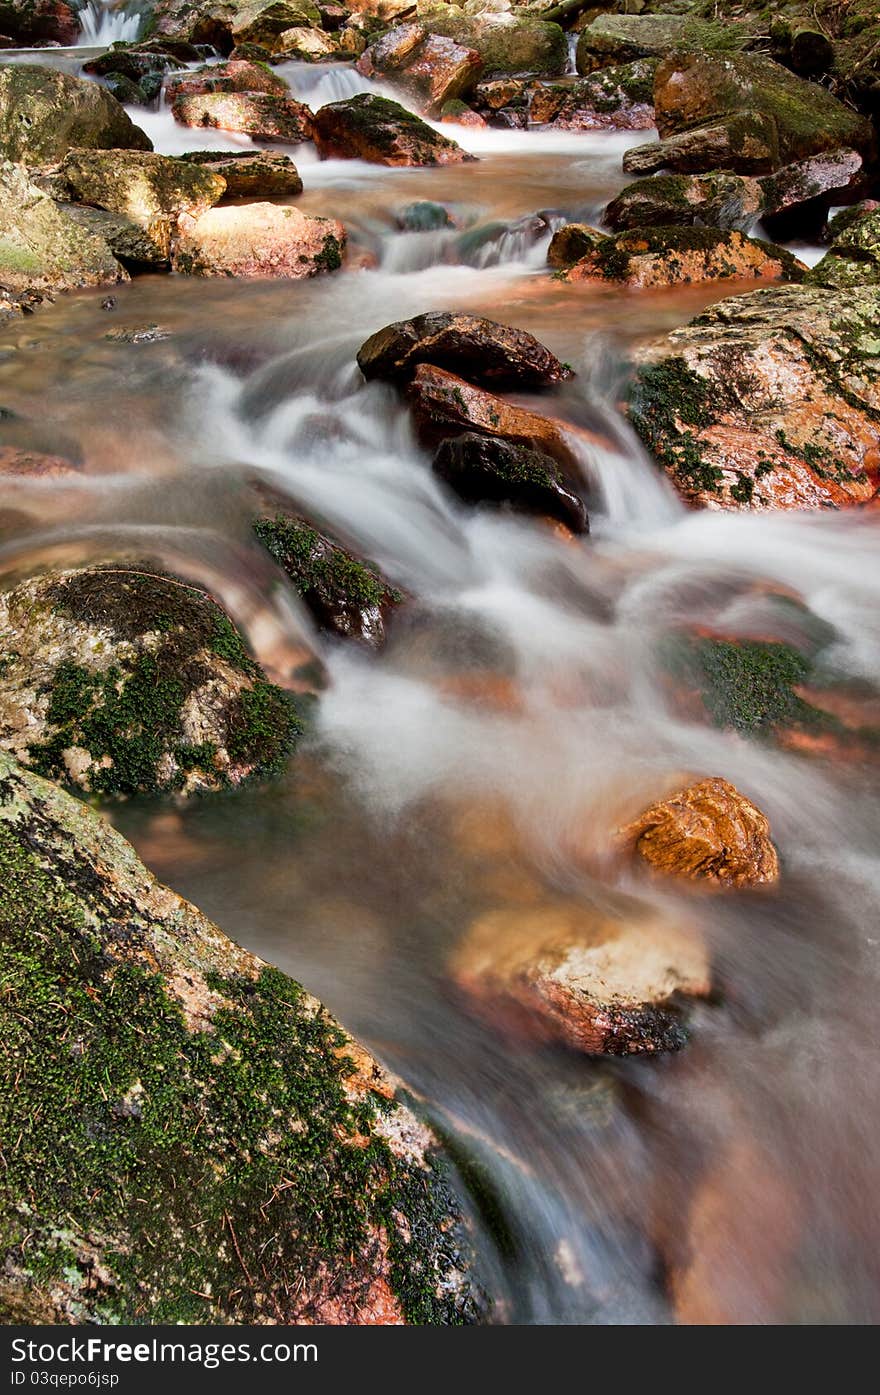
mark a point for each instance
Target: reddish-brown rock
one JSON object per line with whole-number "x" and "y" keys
{"x": 445, "y": 405}
{"x": 264, "y": 115}
{"x": 706, "y": 832}
{"x": 236, "y": 75}
{"x": 250, "y": 174}
{"x": 768, "y": 400}
{"x": 372, "y": 128}
{"x": 260, "y": 239}
{"x": 489, "y": 353}
{"x": 661, "y": 256}
{"x": 602, "y": 984}
{"x": 430, "y": 67}
{"x": 614, "y": 99}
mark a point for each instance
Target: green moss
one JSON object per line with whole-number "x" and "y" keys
{"x": 330, "y": 256}
{"x": 217, "y": 1170}
{"x": 326, "y": 575}
{"x": 129, "y": 715}
{"x": 749, "y": 685}
{"x": 665, "y": 400}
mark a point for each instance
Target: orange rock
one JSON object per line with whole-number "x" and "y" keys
{"x": 601, "y": 984}
{"x": 34, "y": 465}
{"x": 647, "y": 257}
{"x": 708, "y": 831}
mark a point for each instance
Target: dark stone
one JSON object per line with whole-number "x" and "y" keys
{"x": 486, "y": 469}
{"x": 485, "y": 352}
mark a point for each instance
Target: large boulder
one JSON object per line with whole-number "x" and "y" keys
{"x": 229, "y": 24}
{"x": 768, "y": 400}
{"x": 432, "y": 68}
{"x": 604, "y": 984}
{"x": 123, "y": 681}
{"x": 41, "y": 247}
{"x": 746, "y": 143}
{"x": 145, "y": 187}
{"x": 345, "y": 595}
{"x": 507, "y": 43}
{"x": 250, "y": 174}
{"x": 44, "y": 113}
{"x": 489, "y": 353}
{"x": 136, "y": 247}
{"x": 264, "y": 115}
{"x": 621, "y": 38}
{"x": 260, "y": 239}
{"x": 665, "y": 256}
{"x": 373, "y": 128}
{"x": 266, "y": 21}
{"x": 718, "y": 200}
{"x": 196, "y": 1139}
{"x": 36, "y": 22}
{"x": 486, "y": 470}
{"x": 706, "y": 832}
{"x": 801, "y": 118}
{"x": 615, "y": 98}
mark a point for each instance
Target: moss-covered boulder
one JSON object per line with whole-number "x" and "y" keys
{"x": 41, "y": 247}
{"x": 260, "y": 239}
{"x": 698, "y": 89}
{"x": 620, "y": 38}
{"x": 346, "y": 595}
{"x": 136, "y": 248}
{"x": 263, "y": 115}
{"x": 746, "y": 143}
{"x": 44, "y": 113}
{"x": 487, "y": 470}
{"x": 196, "y": 1139}
{"x": 250, "y": 174}
{"x": 137, "y": 61}
{"x": 122, "y": 681}
{"x": 148, "y": 189}
{"x": 507, "y": 43}
{"x": 615, "y": 98}
{"x": 853, "y": 258}
{"x": 266, "y": 21}
{"x": 768, "y": 400}
{"x": 719, "y": 200}
{"x": 485, "y": 351}
{"x": 665, "y": 256}
{"x": 572, "y": 242}
{"x": 382, "y": 132}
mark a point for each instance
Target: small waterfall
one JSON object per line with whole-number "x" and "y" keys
{"x": 105, "y": 24}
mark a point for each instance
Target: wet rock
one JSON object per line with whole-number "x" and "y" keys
{"x": 17, "y": 463}
{"x": 135, "y": 94}
{"x": 665, "y": 256}
{"x": 498, "y": 93}
{"x": 133, "y": 61}
{"x": 484, "y": 470}
{"x": 424, "y": 216}
{"x": 137, "y": 248}
{"x": 33, "y": 23}
{"x": 507, "y": 44}
{"x": 853, "y": 258}
{"x": 236, "y": 75}
{"x": 306, "y": 46}
{"x": 263, "y": 115}
{"x": 719, "y": 200}
{"x": 264, "y": 23}
{"x": 620, "y": 98}
{"x": 798, "y": 197}
{"x": 372, "y": 128}
{"x": 153, "y": 1058}
{"x": 745, "y": 143}
{"x": 144, "y": 187}
{"x": 250, "y": 174}
{"x": 768, "y": 400}
{"x": 802, "y": 118}
{"x": 122, "y": 681}
{"x": 601, "y": 984}
{"x": 445, "y": 405}
{"x": 572, "y": 242}
{"x": 430, "y": 67}
{"x": 260, "y": 239}
{"x": 460, "y": 114}
{"x": 623, "y": 38}
{"x": 44, "y": 113}
{"x": 345, "y": 595}
{"x": 489, "y": 353}
{"x": 41, "y": 247}
{"x": 706, "y": 832}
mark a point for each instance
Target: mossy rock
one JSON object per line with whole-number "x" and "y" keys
{"x": 120, "y": 680}
{"x": 749, "y": 685}
{"x": 41, "y": 247}
{"x": 196, "y": 1139}
{"x": 507, "y": 44}
{"x": 44, "y": 113}
{"x": 33, "y": 23}
{"x": 488, "y": 470}
{"x": 854, "y": 256}
{"x": 345, "y": 595}
{"x": 376, "y": 129}
{"x": 620, "y": 38}
{"x": 717, "y": 199}
{"x": 142, "y": 186}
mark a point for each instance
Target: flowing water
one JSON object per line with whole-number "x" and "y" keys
{"x": 521, "y": 697}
